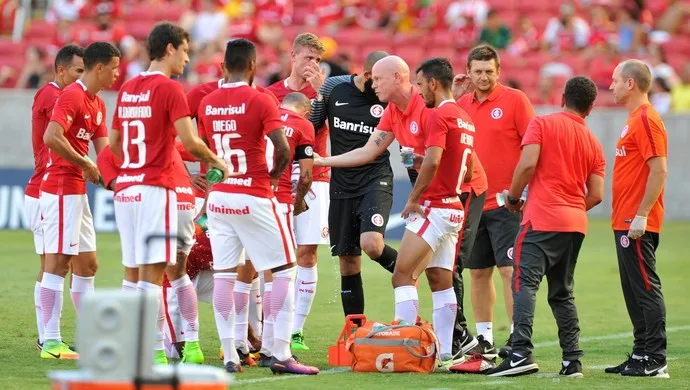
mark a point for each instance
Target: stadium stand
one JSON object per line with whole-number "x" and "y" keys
{"x": 546, "y": 42}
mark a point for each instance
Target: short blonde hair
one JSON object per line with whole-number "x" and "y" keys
{"x": 308, "y": 40}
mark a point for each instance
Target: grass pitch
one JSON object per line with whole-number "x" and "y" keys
{"x": 606, "y": 329}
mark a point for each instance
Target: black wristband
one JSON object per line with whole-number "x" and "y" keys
{"x": 304, "y": 151}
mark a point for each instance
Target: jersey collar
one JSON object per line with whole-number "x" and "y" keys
{"x": 82, "y": 85}
{"x": 55, "y": 84}
{"x": 446, "y": 101}
{"x": 414, "y": 100}
{"x": 574, "y": 117}
{"x": 234, "y": 85}
{"x": 152, "y": 73}
{"x": 220, "y": 82}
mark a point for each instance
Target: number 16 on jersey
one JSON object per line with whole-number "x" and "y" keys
{"x": 235, "y": 158}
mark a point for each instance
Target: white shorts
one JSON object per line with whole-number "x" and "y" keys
{"x": 147, "y": 213}
{"x": 311, "y": 227}
{"x": 185, "y": 227}
{"x": 287, "y": 210}
{"x": 240, "y": 221}
{"x": 67, "y": 224}
{"x": 440, "y": 230}
{"x": 32, "y": 211}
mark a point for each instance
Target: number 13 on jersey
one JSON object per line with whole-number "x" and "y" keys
{"x": 237, "y": 165}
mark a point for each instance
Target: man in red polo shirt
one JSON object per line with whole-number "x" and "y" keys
{"x": 501, "y": 115}
{"x": 564, "y": 165}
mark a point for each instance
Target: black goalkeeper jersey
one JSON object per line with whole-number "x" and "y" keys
{"x": 352, "y": 117}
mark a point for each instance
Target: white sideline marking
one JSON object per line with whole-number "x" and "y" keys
{"x": 338, "y": 370}
{"x": 615, "y": 336}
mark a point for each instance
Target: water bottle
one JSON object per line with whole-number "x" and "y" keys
{"x": 100, "y": 178}
{"x": 214, "y": 175}
{"x": 502, "y": 202}
{"x": 202, "y": 221}
{"x": 407, "y": 155}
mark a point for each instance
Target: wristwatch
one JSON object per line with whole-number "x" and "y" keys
{"x": 513, "y": 201}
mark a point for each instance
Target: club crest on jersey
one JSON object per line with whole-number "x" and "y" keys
{"x": 414, "y": 127}
{"x": 99, "y": 118}
{"x": 377, "y": 220}
{"x": 625, "y": 131}
{"x": 325, "y": 232}
{"x": 625, "y": 241}
{"x": 496, "y": 113}
{"x": 510, "y": 253}
{"x": 376, "y": 111}
{"x": 309, "y": 151}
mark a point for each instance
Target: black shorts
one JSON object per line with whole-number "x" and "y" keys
{"x": 473, "y": 206}
{"x": 496, "y": 235}
{"x": 348, "y": 218}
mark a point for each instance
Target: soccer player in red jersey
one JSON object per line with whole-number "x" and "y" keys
{"x": 69, "y": 66}
{"x": 311, "y": 227}
{"x": 243, "y": 213}
{"x": 78, "y": 117}
{"x": 501, "y": 115}
{"x": 564, "y": 164}
{"x": 434, "y": 212}
{"x": 639, "y": 175}
{"x": 151, "y": 110}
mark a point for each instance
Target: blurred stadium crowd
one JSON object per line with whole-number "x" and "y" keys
{"x": 543, "y": 42}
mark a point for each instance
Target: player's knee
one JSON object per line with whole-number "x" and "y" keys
{"x": 506, "y": 272}
{"x": 306, "y": 255}
{"x": 482, "y": 275}
{"x": 372, "y": 246}
{"x": 439, "y": 278}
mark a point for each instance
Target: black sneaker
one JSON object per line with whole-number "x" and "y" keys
{"x": 505, "y": 350}
{"x": 264, "y": 360}
{"x": 574, "y": 369}
{"x": 485, "y": 348}
{"x": 649, "y": 367}
{"x": 515, "y": 365}
{"x": 233, "y": 367}
{"x": 468, "y": 342}
{"x": 619, "y": 368}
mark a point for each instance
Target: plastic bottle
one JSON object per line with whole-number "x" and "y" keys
{"x": 214, "y": 175}
{"x": 100, "y": 178}
{"x": 407, "y": 155}
{"x": 202, "y": 222}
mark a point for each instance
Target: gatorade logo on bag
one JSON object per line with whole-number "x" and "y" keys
{"x": 384, "y": 362}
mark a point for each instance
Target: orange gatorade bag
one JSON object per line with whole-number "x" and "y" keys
{"x": 378, "y": 347}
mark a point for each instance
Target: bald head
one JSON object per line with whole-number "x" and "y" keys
{"x": 391, "y": 77}
{"x": 392, "y": 64}
{"x": 373, "y": 58}
{"x": 297, "y": 102}
{"x": 637, "y": 71}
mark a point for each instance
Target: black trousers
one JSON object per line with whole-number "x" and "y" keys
{"x": 642, "y": 292}
{"x": 554, "y": 255}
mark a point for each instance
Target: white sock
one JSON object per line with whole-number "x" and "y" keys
{"x": 406, "y": 304}
{"x": 128, "y": 286}
{"x": 255, "y": 307}
{"x": 39, "y": 314}
{"x": 305, "y": 291}
{"x": 267, "y": 335}
{"x": 160, "y": 333}
{"x": 188, "y": 306}
{"x": 241, "y": 303}
{"x": 52, "y": 287}
{"x": 223, "y": 285}
{"x": 485, "y": 329}
{"x": 80, "y": 286}
{"x": 282, "y": 311}
{"x": 445, "y": 310}
{"x": 637, "y": 357}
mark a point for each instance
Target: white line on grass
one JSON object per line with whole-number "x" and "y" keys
{"x": 338, "y": 370}
{"x": 615, "y": 336}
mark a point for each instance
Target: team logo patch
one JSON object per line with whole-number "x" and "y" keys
{"x": 414, "y": 127}
{"x": 625, "y": 131}
{"x": 324, "y": 232}
{"x": 376, "y": 111}
{"x": 377, "y": 220}
{"x": 625, "y": 241}
{"x": 99, "y": 118}
{"x": 510, "y": 253}
{"x": 496, "y": 113}
{"x": 309, "y": 151}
